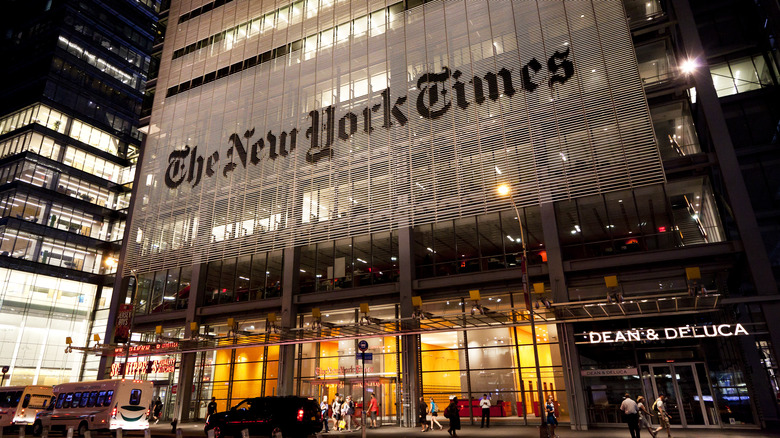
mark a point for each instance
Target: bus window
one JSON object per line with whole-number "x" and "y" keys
{"x": 16, "y": 396}
{"x": 68, "y": 400}
{"x": 3, "y": 399}
{"x": 135, "y": 396}
{"x": 101, "y": 398}
{"x": 92, "y": 398}
{"x": 84, "y": 399}
{"x": 109, "y": 396}
{"x": 26, "y": 401}
{"x": 60, "y": 400}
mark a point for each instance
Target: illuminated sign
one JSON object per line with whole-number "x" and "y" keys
{"x": 147, "y": 349}
{"x": 612, "y": 372}
{"x": 329, "y": 371}
{"x": 668, "y": 333}
{"x": 143, "y": 367}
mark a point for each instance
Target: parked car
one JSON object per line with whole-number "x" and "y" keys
{"x": 293, "y": 416}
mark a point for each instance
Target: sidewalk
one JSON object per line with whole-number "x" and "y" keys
{"x": 196, "y": 430}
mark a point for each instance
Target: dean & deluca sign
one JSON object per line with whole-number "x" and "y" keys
{"x": 666, "y": 333}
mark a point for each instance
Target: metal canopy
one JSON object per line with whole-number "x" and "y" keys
{"x": 636, "y": 307}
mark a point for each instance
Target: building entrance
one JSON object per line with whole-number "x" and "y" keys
{"x": 688, "y": 391}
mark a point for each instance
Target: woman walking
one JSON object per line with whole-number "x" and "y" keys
{"x": 433, "y": 410}
{"x": 452, "y": 412}
{"x": 644, "y": 415}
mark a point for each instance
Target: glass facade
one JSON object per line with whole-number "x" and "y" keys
{"x": 314, "y": 157}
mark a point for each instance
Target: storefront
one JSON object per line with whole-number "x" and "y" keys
{"x": 493, "y": 356}
{"x": 694, "y": 359}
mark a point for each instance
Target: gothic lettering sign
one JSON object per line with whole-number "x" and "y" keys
{"x": 667, "y": 333}
{"x": 437, "y": 93}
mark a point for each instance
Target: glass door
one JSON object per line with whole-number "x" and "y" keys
{"x": 686, "y": 401}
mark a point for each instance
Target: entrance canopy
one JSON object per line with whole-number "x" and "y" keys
{"x": 479, "y": 318}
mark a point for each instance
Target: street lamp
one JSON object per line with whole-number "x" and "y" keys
{"x": 505, "y": 190}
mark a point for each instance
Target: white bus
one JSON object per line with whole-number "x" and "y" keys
{"x": 100, "y": 405}
{"x": 20, "y": 404}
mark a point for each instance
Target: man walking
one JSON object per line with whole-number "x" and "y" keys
{"x": 631, "y": 415}
{"x": 211, "y": 408}
{"x": 484, "y": 403}
{"x": 663, "y": 417}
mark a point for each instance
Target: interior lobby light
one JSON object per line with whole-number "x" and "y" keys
{"x": 503, "y": 189}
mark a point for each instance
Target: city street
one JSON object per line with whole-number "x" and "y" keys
{"x": 196, "y": 429}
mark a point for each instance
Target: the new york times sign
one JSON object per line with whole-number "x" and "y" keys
{"x": 438, "y": 94}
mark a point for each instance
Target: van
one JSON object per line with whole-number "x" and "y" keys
{"x": 99, "y": 405}
{"x": 20, "y": 404}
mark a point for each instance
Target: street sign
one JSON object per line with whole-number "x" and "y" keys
{"x": 365, "y": 357}
{"x": 363, "y": 345}
{"x": 6, "y": 368}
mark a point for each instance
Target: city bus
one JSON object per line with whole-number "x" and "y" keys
{"x": 20, "y": 404}
{"x": 98, "y": 405}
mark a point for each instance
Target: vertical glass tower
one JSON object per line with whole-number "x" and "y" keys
{"x": 73, "y": 82}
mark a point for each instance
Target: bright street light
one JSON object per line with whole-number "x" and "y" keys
{"x": 689, "y": 66}
{"x": 505, "y": 190}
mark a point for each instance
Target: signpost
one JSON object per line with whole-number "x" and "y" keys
{"x": 363, "y": 346}
{"x": 5, "y": 371}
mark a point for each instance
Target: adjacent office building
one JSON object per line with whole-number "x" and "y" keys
{"x": 320, "y": 172}
{"x": 73, "y": 81}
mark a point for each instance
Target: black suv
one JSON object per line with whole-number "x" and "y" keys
{"x": 293, "y": 416}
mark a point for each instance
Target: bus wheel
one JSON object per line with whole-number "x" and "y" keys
{"x": 37, "y": 428}
{"x": 83, "y": 428}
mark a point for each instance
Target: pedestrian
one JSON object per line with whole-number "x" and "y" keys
{"x": 422, "y": 411}
{"x": 373, "y": 409}
{"x": 552, "y": 420}
{"x": 433, "y": 410}
{"x": 350, "y": 412}
{"x": 484, "y": 403}
{"x": 659, "y": 407}
{"x": 452, "y": 413}
{"x": 630, "y": 415}
{"x": 158, "y": 406}
{"x": 211, "y": 408}
{"x": 336, "y": 412}
{"x": 324, "y": 406}
{"x": 644, "y": 415}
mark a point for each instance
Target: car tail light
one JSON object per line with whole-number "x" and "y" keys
{"x": 148, "y": 411}
{"x": 300, "y": 414}
{"x": 113, "y": 412}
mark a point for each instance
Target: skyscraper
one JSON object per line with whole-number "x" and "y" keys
{"x": 72, "y": 85}
{"x": 320, "y": 172}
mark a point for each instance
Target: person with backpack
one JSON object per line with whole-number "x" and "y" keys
{"x": 433, "y": 410}
{"x": 452, "y": 413}
{"x": 659, "y": 407}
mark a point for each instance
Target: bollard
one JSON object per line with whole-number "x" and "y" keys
{"x": 87, "y": 434}
{"x": 70, "y": 432}
{"x": 22, "y": 431}
{"x": 147, "y": 433}
{"x": 119, "y": 433}
{"x": 45, "y": 432}
{"x": 245, "y": 433}
{"x": 209, "y": 434}
{"x": 179, "y": 433}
